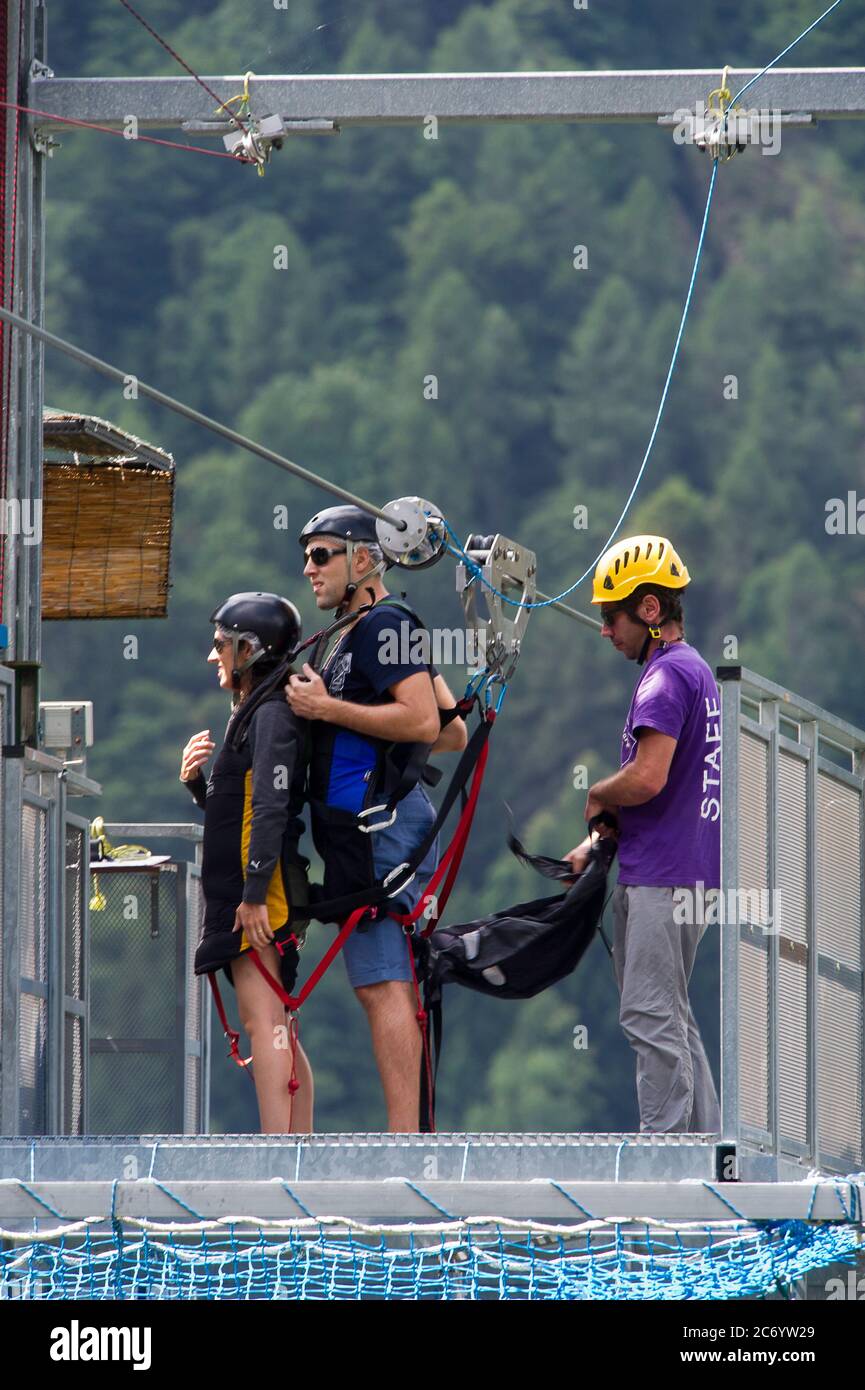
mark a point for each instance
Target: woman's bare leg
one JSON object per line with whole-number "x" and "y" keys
{"x": 263, "y": 1018}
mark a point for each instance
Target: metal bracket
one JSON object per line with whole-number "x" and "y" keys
{"x": 289, "y": 127}
{"x": 38, "y": 69}
{"x": 509, "y": 571}
{"x": 258, "y": 141}
{"x": 721, "y": 134}
{"x": 43, "y": 143}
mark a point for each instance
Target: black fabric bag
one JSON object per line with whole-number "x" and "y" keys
{"x": 516, "y": 953}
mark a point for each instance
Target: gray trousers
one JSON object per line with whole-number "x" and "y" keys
{"x": 653, "y": 956}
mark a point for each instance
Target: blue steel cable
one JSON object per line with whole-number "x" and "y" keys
{"x": 784, "y": 52}
{"x": 545, "y": 603}
{"x": 673, "y": 360}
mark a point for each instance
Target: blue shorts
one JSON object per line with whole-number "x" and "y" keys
{"x": 378, "y": 950}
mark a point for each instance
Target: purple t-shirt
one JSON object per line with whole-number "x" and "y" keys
{"x": 674, "y": 839}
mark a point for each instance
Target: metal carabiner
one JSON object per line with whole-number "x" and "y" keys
{"x": 393, "y": 873}
{"x": 381, "y": 825}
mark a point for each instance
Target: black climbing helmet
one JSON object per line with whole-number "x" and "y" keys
{"x": 356, "y": 527}
{"x": 347, "y": 522}
{"x": 271, "y": 620}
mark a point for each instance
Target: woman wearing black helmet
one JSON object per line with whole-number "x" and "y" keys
{"x": 253, "y": 877}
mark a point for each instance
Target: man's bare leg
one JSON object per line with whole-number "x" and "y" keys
{"x": 396, "y": 1042}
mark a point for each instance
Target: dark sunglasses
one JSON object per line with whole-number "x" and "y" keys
{"x": 608, "y": 615}
{"x": 320, "y": 555}
{"x": 219, "y": 643}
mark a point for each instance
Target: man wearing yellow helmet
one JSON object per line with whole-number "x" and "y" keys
{"x": 666, "y": 796}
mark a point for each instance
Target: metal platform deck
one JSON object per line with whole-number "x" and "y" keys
{"x": 411, "y": 1177}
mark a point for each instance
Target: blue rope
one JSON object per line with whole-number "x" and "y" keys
{"x": 784, "y": 52}
{"x": 545, "y": 603}
{"x": 851, "y": 1214}
{"x": 117, "y": 1228}
{"x": 449, "y": 1215}
{"x": 619, "y": 1149}
{"x": 294, "y": 1197}
{"x": 41, "y": 1200}
{"x": 572, "y": 1200}
{"x": 717, "y": 1194}
{"x": 174, "y": 1197}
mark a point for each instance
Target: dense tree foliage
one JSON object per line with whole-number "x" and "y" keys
{"x": 405, "y": 257}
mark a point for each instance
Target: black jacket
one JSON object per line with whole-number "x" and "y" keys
{"x": 252, "y": 803}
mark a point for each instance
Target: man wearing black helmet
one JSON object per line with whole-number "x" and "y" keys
{"x": 366, "y": 711}
{"x": 253, "y": 878}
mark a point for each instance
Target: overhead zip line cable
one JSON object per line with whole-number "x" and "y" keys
{"x": 242, "y": 441}
{"x": 196, "y": 416}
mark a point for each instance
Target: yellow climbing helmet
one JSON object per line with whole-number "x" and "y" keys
{"x": 637, "y": 560}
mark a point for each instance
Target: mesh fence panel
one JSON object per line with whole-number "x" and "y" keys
{"x": 753, "y": 958}
{"x": 791, "y": 875}
{"x": 33, "y": 950}
{"x": 839, "y": 943}
{"x": 132, "y": 1093}
{"x": 754, "y": 1033}
{"x": 791, "y": 906}
{"x": 132, "y": 945}
{"x": 73, "y": 1063}
{"x": 792, "y": 1024}
{"x": 32, "y": 1063}
{"x": 194, "y": 1009}
{"x": 136, "y": 1045}
{"x": 32, "y": 919}
{"x": 839, "y": 871}
{"x": 76, "y": 848}
{"x": 839, "y": 1073}
{"x": 753, "y": 810}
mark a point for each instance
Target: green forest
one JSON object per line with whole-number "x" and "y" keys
{"x": 407, "y": 257}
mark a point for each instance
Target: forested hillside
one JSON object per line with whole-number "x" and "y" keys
{"x": 405, "y": 257}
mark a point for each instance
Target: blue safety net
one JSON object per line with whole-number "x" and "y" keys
{"x": 455, "y": 1261}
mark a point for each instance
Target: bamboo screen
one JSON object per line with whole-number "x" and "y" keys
{"x": 107, "y": 522}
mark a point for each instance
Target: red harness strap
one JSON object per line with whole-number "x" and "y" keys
{"x": 451, "y": 859}
{"x": 233, "y": 1037}
{"x": 424, "y": 1033}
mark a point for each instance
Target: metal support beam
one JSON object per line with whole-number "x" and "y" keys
{"x": 22, "y": 587}
{"x": 401, "y": 1201}
{"x": 407, "y": 98}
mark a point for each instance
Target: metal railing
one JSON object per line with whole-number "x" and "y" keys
{"x": 149, "y": 1027}
{"x": 793, "y": 929}
{"x": 43, "y": 955}
{"x": 105, "y": 1029}
{"x": 75, "y": 953}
